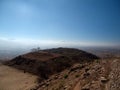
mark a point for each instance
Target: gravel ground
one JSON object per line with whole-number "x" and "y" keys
{"x": 115, "y": 75}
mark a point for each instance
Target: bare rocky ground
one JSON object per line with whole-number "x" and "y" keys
{"x": 98, "y": 75}
{"x": 114, "y": 76}
{"x": 106, "y": 76}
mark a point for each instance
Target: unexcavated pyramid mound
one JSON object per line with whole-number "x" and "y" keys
{"x": 50, "y": 61}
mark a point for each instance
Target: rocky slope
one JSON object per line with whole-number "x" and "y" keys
{"x": 114, "y": 83}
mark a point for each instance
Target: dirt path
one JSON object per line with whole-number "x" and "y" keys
{"x": 13, "y": 79}
{"x": 77, "y": 87}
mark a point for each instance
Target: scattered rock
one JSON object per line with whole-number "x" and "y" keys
{"x": 103, "y": 80}
{"x": 43, "y": 86}
{"x": 76, "y": 66}
{"x": 56, "y": 77}
{"x": 33, "y": 89}
{"x": 86, "y": 87}
{"x": 87, "y": 69}
{"x": 86, "y": 74}
{"x": 47, "y": 84}
{"x": 65, "y": 87}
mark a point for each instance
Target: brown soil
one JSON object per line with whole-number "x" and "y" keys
{"x": 13, "y": 79}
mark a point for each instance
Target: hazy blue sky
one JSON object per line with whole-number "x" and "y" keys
{"x": 61, "y": 22}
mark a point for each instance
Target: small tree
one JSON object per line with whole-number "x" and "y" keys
{"x": 36, "y": 49}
